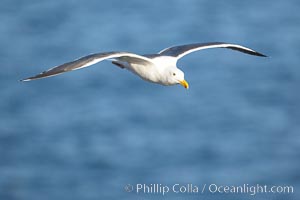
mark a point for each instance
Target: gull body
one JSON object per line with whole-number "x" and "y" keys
{"x": 156, "y": 72}
{"x": 158, "y": 68}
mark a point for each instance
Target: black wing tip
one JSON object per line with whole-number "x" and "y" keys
{"x": 259, "y": 54}
{"x": 25, "y": 80}
{"x": 252, "y": 52}
{"x": 42, "y": 75}
{"x": 248, "y": 51}
{"x": 39, "y": 76}
{"x": 32, "y": 78}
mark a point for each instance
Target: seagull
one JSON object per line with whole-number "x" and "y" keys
{"x": 160, "y": 68}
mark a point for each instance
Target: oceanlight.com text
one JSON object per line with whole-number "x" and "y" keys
{"x": 248, "y": 189}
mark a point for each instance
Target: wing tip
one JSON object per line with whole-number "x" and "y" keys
{"x": 247, "y": 51}
{"x": 255, "y": 53}
{"x": 39, "y": 76}
{"x": 24, "y": 80}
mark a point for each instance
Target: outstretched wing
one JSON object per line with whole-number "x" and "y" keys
{"x": 180, "y": 51}
{"x": 90, "y": 60}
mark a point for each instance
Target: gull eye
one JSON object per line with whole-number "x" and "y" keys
{"x": 174, "y": 74}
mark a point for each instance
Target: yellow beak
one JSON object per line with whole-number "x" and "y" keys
{"x": 184, "y": 84}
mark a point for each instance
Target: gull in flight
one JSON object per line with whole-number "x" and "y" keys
{"x": 158, "y": 68}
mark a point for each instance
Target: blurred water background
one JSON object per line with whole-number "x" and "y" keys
{"x": 88, "y": 133}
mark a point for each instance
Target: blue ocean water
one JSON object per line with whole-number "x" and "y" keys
{"x": 87, "y": 134}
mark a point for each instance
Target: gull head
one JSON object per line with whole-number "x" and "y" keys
{"x": 176, "y": 76}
